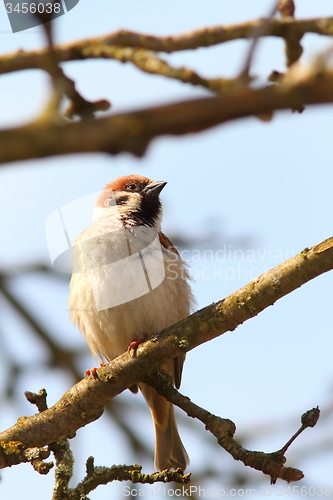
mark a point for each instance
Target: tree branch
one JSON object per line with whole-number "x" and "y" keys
{"x": 223, "y": 429}
{"x": 84, "y": 402}
{"x": 60, "y": 355}
{"x": 104, "y": 475}
{"x": 150, "y": 63}
{"x": 133, "y": 131}
{"x": 205, "y": 37}
{"x": 126, "y": 46}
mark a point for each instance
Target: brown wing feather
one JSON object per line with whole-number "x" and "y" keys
{"x": 178, "y": 362}
{"x": 164, "y": 240}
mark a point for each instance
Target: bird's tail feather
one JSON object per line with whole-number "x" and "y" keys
{"x": 169, "y": 451}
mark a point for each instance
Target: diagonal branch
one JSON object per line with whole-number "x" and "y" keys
{"x": 85, "y": 402}
{"x": 60, "y": 356}
{"x": 134, "y": 131}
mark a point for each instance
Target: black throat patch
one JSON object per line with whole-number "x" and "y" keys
{"x": 146, "y": 214}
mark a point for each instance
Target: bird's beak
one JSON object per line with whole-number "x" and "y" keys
{"x": 154, "y": 188}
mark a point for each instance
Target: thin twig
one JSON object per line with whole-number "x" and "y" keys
{"x": 150, "y": 63}
{"x": 38, "y": 399}
{"x": 224, "y": 430}
{"x": 104, "y": 475}
{"x": 262, "y": 31}
{"x": 64, "y": 468}
{"x": 308, "y": 419}
{"x": 62, "y": 85}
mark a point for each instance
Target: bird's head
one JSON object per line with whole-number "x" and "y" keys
{"x": 136, "y": 198}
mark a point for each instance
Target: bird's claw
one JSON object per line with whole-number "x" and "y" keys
{"x": 134, "y": 344}
{"x": 92, "y": 371}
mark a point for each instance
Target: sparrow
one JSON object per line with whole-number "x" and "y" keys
{"x": 129, "y": 282}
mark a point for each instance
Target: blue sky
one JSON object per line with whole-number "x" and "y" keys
{"x": 268, "y": 185}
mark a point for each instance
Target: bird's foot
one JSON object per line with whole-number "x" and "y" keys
{"x": 134, "y": 344}
{"x": 93, "y": 371}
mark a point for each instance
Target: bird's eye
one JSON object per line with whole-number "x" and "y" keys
{"x": 131, "y": 187}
